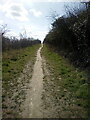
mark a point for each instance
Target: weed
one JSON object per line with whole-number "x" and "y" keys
{"x": 13, "y": 63}
{"x": 71, "y": 79}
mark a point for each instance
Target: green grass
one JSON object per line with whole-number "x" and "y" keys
{"x": 67, "y": 76}
{"x": 13, "y": 63}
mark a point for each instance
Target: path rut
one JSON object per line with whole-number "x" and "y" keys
{"x": 33, "y": 103}
{"x": 36, "y": 88}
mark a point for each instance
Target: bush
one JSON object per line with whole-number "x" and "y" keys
{"x": 71, "y": 34}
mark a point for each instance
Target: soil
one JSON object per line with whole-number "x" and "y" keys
{"x": 33, "y": 102}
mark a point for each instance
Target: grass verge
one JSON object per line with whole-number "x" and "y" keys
{"x": 13, "y": 88}
{"x": 14, "y": 61}
{"x": 69, "y": 80}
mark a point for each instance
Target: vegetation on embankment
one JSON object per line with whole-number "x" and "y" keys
{"x": 70, "y": 34}
{"x": 13, "y": 88}
{"x": 68, "y": 86}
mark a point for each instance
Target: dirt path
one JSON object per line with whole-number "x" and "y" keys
{"x": 33, "y": 101}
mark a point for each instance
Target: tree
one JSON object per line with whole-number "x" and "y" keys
{"x": 3, "y": 29}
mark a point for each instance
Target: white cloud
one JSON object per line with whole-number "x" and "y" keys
{"x": 14, "y": 11}
{"x": 1, "y": 22}
{"x": 34, "y": 31}
{"x": 11, "y": 33}
{"x": 40, "y": 34}
{"x": 66, "y": 0}
{"x": 35, "y": 12}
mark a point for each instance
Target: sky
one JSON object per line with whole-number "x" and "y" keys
{"x": 32, "y": 16}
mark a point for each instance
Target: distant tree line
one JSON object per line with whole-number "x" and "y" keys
{"x": 13, "y": 42}
{"x": 71, "y": 34}
{"x": 8, "y": 44}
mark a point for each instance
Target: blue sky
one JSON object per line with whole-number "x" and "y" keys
{"x": 31, "y": 15}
